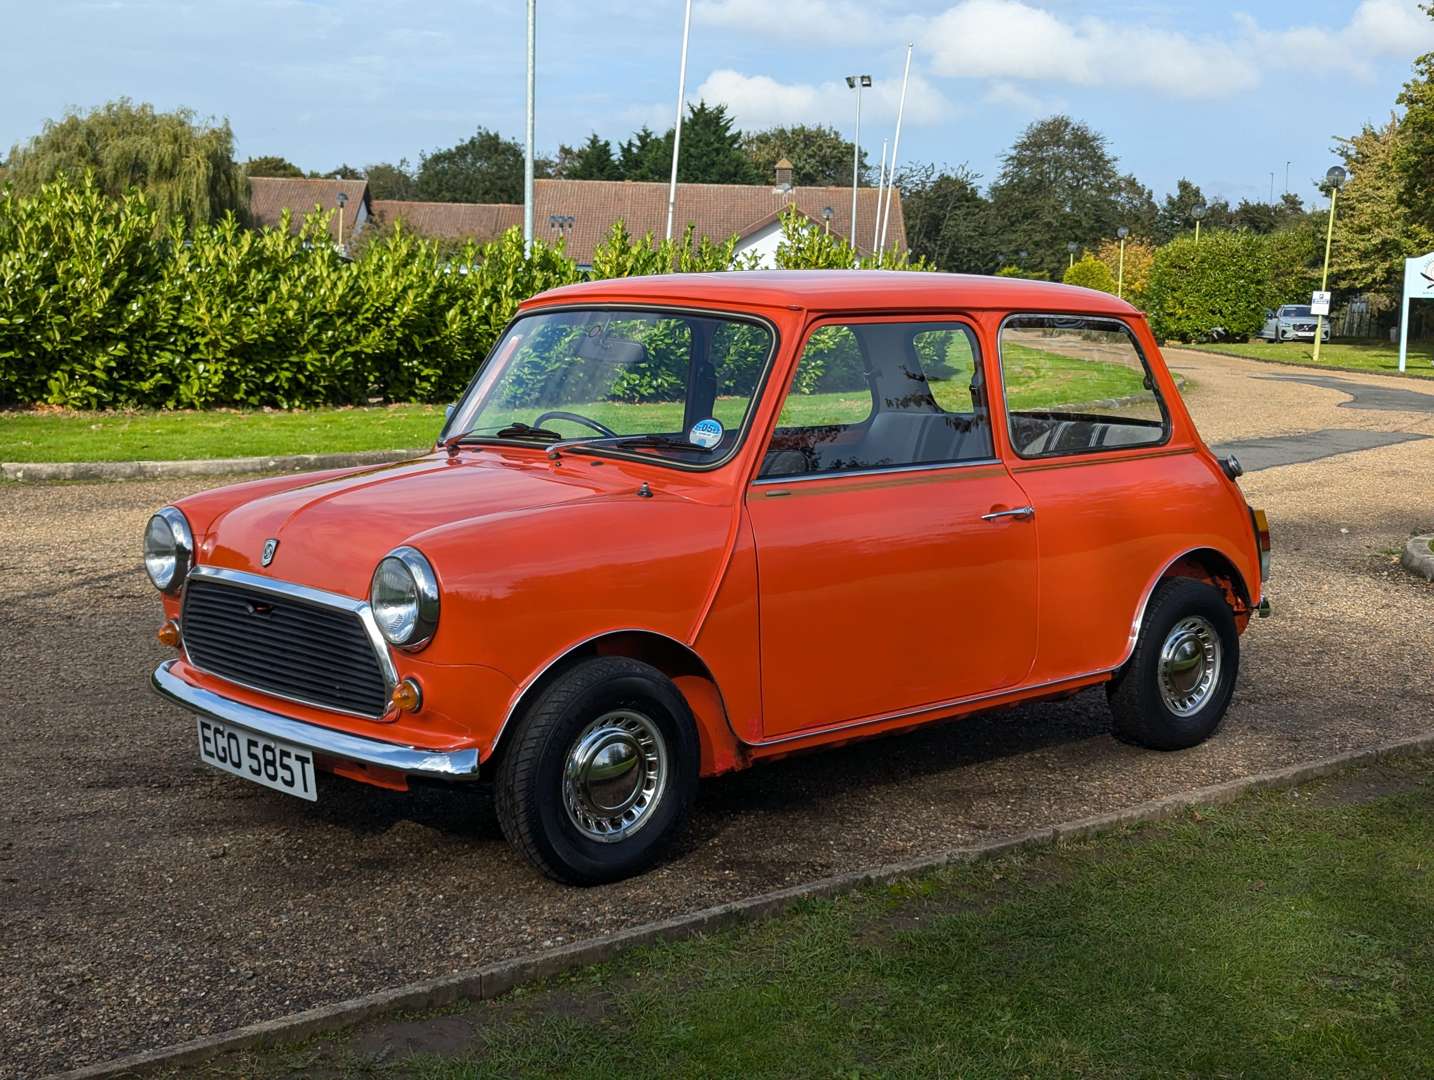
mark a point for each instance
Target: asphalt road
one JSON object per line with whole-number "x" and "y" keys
{"x": 148, "y": 899}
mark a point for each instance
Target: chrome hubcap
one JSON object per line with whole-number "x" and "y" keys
{"x": 615, "y": 775}
{"x": 1190, "y": 665}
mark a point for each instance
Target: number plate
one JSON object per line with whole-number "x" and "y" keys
{"x": 266, "y": 761}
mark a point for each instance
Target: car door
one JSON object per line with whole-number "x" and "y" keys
{"x": 1272, "y": 326}
{"x": 896, "y": 562}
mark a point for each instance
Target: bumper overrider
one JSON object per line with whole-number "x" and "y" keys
{"x": 412, "y": 760}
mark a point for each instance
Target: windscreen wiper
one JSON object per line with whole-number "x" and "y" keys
{"x": 621, "y": 442}
{"x": 517, "y": 430}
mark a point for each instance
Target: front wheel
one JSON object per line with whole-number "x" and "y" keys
{"x": 1174, "y": 691}
{"x": 600, "y": 772}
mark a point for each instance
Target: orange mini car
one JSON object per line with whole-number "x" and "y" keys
{"x": 679, "y": 524}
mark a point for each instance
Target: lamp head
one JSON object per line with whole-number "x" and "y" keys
{"x": 1122, "y": 232}
{"x": 1336, "y": 177}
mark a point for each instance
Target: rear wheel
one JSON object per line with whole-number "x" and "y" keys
{"x": 600, "y": 772}
{"x": 1175, "y": 689}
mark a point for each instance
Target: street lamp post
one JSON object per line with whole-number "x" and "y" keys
{"x": 343, "y": 200}
{"x": 1198, "y": 213}
{"x": 1335, "y": 178}
{"x": 1121, "y": 232}
{"x": 827, "y": 219}
{"x": 856, "y": 82}
{"x": 1071, "y": 249}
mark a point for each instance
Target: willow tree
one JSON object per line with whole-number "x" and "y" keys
{"x": 183, "y": 165}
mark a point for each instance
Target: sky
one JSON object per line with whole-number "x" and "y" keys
{"x": 1222, "y": 93}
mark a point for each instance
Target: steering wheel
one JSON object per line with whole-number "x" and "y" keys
{"x": 576, "y": 418}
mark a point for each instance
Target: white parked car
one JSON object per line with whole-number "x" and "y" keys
{"x": 1292, "y": 322}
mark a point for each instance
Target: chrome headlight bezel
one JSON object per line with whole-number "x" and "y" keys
{"x": 419, "y": 606}
{"x": 168, "y": 549}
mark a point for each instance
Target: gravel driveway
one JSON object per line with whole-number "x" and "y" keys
{"x": 149, "y": 899}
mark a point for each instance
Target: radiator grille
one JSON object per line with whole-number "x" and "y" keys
{"x": 317, "y": 655}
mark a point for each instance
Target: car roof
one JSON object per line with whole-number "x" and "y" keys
{"x": 843, "y": 290}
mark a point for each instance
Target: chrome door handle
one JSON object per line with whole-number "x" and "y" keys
{"x": 1020, "y": 513}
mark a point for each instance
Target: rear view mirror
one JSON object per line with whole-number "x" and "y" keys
{"x": 624, "y": 354}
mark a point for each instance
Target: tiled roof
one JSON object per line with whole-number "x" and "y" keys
{"x": 717, "y": 210}
{"x": 450, "y": 221}
{"x": 270, "y": 196}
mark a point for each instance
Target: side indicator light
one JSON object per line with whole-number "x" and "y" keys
{"x": 406, "y": 696}
{"x": 169, "y": 634}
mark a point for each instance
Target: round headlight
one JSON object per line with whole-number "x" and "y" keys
{"x": 404, "y": 598}
{"x": 168, "y": 549}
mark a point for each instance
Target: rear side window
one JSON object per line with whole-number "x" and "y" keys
{"x": 1077, "y": 384}
{"x": 877, "y": 395}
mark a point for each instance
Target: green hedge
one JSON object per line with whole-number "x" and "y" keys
{"x": 1222, "y": 286}
{"x": 95, "y": 313}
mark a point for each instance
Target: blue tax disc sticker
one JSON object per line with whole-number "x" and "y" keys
{"x": 705, "y": 433}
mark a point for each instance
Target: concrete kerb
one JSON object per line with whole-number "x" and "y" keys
{"x": 1418, "y": 557}
{"x": 50, "y": 471}
{"x": 495, "y": 979}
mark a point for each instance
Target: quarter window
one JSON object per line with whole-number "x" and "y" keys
{"x": 1077, "y": 385}
{"x": 872, "y": 395}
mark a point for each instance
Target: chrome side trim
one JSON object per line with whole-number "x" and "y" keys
{"x": 415, "y": 761}
{"x": 317, "y": 598}
{"x": 883, "y": 470}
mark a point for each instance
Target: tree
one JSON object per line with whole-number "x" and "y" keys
{"x": 645, "y": 156}
{"x": 820, "y": 156}
{"x": 711, "y": 151}
{"x": 1139, "y": 259}
{"x": 594, "y": 160}
{"x": 184, "y": 166}
{"x": 1414, "y": 153}
{"x": 271, "y": 165}
{"x": 486, "y": 168}
{"x": 948, "y": 220}
{"x": 1058, "y": 184}
{"x": 1176, "y": 214}
{"x": 1136, "y": 206}
{"x": 1375, "y": 229}
{"x": 389, "y": 181}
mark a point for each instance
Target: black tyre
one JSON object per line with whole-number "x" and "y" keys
{"x": 600, "y": 772}
{"x": 1174, "y": 691}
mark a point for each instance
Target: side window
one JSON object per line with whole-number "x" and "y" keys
{"x": 1077, "y": 384}
{"x": 875, "y": 395}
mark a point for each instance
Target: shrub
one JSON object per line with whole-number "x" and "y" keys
{"x": 1139, "y": 260}
{"x": 1090, "y": 273}
{"x": 94, "y": 313}
{"x": 1214, "y": 288}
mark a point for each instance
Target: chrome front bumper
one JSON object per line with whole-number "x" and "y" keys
{"x": 438, "y": 764}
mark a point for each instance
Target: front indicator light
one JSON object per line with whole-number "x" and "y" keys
{"x": 406, "y": 696}
{"x": 169, "y": 634}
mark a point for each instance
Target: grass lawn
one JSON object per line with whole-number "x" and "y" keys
{"x": 1287, "y": 934}
{"x": 1351, "y": 355}
{"x": 164, "y": 436}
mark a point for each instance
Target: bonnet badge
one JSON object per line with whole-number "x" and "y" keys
{"x": 270, "y": 546}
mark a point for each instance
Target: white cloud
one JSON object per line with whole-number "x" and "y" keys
{"x": 1033, "y": 41}
{"x": 759, "y": 101}
{"x": 1010, "y": 95}
{"x": 1377, "y": 29}
{"x": 1009, "y": 39}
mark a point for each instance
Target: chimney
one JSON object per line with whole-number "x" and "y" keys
{"x": 784, "y": 174}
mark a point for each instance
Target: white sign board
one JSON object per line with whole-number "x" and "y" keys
{"x": 1418, "y": 285}
{"x": 1319, "y": 303}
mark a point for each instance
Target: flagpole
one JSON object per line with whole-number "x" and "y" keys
{"x": 895, "y": 147}
{"x": 677, "y": 128}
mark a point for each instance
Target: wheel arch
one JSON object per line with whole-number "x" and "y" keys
{"x": 720, "y": 749}
{"x": 1206, "y": 564}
